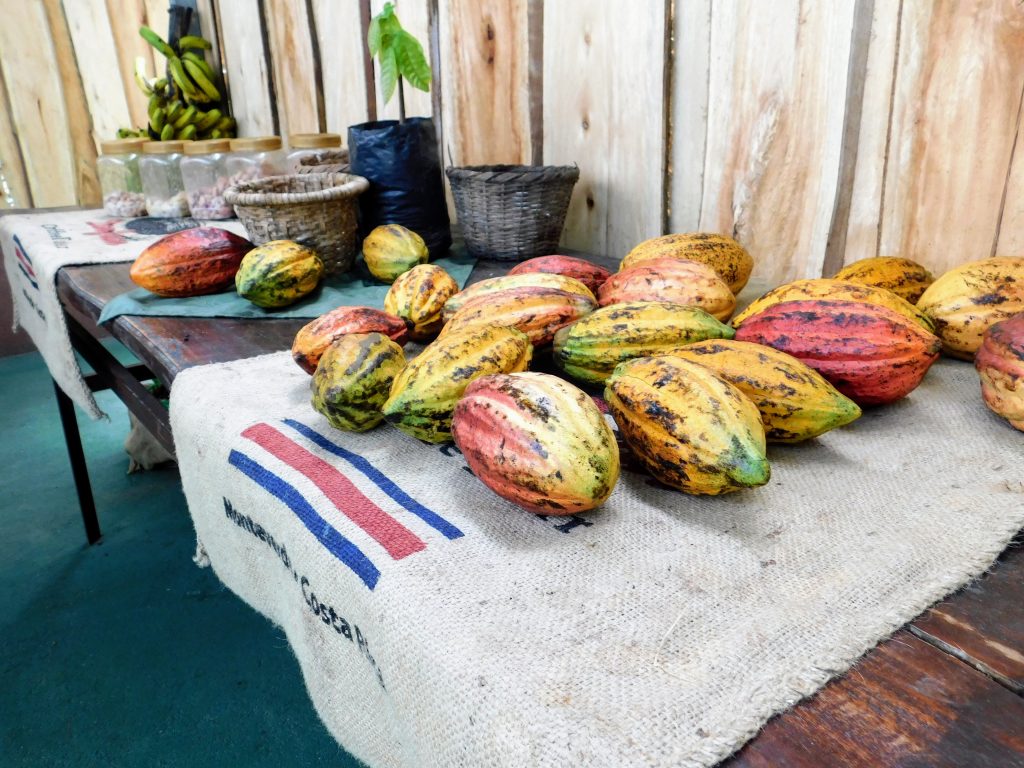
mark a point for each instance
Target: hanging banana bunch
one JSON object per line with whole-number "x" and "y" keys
{"x": 186, "y": 103}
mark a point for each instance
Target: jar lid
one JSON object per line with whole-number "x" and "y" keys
{"x": 122, "y": 146}
{"x": 162, "y": 147}
{"x": 314, "y": 140}
{"x": 256, "y": 144}
{"x": 207, "y": 146}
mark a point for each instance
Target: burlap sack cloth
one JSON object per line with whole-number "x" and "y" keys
{"x": 662, "y": 630}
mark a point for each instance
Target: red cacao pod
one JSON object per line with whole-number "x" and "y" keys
{"x": 588, "y": 273}
{"x": 192, "y": 262}
{"x": 1000, "y": 364}
{"x": 316, "y": 336}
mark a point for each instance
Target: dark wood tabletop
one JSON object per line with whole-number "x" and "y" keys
{"x": 946, "y": 690}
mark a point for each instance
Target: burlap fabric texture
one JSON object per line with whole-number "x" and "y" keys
{"x": 438, "y": 625}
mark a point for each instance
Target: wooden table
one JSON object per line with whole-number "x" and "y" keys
{"x": 946, "y": 690}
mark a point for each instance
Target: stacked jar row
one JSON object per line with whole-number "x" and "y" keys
{"x": 168, "y": 179}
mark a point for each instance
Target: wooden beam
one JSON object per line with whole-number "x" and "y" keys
{"x": 245, "y": 58}
{"x": 14, "y": 188}
{"x": 342, "y": 62}
{"x": 295, "y": 66}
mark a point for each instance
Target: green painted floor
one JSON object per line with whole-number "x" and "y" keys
{"x": 126, "y": 653}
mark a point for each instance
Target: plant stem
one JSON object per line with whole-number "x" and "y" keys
{"x": 401, "y": 101}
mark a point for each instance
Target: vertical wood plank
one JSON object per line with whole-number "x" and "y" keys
{"x": 125, "y": 20}
{"x": 27, "y": 57}
{"x": 776, "y": 102}
{"x": 415, "y": 18}
{"x": 485, "y": 60}
{"x": 209, "y": 25}
{"x": 689, "y": 111}
{"x": 158, "y": 17}
{"x": 341, "y": 62}
{"x": 96, "y": 57}
{"x": 14, "y": 189}
{"x": 955, "y": 105}
{"x": 295, "y": 67}
{"x": 1010, "y": 241}
{"x": 604, "y": 109}
{"x": 245, "y": 59}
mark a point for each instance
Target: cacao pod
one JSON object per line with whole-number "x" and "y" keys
{"x": 316, "y": 336}
{"x": 590, "y": 348}
{"x": 720, "y": 252}
{"x": 690, "y": 428}
{"x": 353, "y": 380}
{"x": 537, "y": 312}
{"x": 588, "y": 273}
{"x": 423, "y": 396}
{"x": 537, "y": 441}
{"x": 795, "y": 401}
{"x": 872, "y": 354}
{"x": 1000, "y": 364}
{"x": 835, "y": 290}
{"x": 418, "y": 296}
{"x": 968, "y": 299}
{"x": 678, "y": 281}
{"x": 391, "y": 250}
{"x": 192, "y": 262}
{"x": 278, "y": 273}
{"x": 906, "y": 278}
{"x": 495, "y": 285}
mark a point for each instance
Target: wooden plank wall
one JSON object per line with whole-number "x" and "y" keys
{"x": 817, "y": 132}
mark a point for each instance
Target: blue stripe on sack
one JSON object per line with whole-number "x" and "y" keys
{"x": 326, "y": 534}
{"x": 28, "y": 276}
{"x": 381, "y": 480}
{"x": 17, "y": 242}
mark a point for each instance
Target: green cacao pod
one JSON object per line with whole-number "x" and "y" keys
{"x": 278, "y": 273}
{"x": 391, "y": 250}
{"x": 353, "y": 379}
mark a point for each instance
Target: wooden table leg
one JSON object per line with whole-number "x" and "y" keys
{"x": 79, "y": 469}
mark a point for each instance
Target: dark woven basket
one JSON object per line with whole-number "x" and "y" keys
{"x": 325, "y": 161}
{"x": 315, "y": 209}
{"x": 512, "y": 212}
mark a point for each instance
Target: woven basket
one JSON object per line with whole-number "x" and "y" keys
{"x": 512, "y": 212}
{"x": 315, "y": 209}
{"x": 326, "y": 161}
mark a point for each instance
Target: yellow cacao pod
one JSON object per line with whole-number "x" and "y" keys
{"x": 278, "y": 273}
{"x": 689, "y": 427}
{"x": 720, "y": 252}
{"x": 967, "y": 300}
{"x": 537, "y": 312}
{"x": 795, "y": 401}
{"x": 906, "y": 278}
{"x": 391, "y": 250}
{"x": 353, "y": 379}
{"x": 679, "y": 281}
{"x": 526, "y": 280}
{"x": 418, "y": 296}
{"x": 835, "y": 290}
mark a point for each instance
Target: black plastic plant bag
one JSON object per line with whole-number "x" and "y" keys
{"x": 406, "y": 184}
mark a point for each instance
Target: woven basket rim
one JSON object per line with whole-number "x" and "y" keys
{"x": 343, "y": 185}
{"x": 487, "y": 173}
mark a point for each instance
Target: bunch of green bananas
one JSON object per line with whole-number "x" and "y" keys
{"x": 173, "y": 100}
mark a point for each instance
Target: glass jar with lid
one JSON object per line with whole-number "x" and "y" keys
{"x": 161, "y": 179}
{"x": 255, "y": 158}
{"x": 204, "y": 172}
{"x": 302, "y": 145}
{"x": 118, "y": 169}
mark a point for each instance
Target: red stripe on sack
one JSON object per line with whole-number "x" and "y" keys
{"x": 398, "y": 540}
{"x": 24, "y": 260}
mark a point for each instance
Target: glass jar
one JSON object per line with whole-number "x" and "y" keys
{"x": 308, "y": 144}
{"x": 118, "y": 169}
{"x": 255, "y": 158}
{"x": 161, "y": 179}
{"x": 204, "y": 171}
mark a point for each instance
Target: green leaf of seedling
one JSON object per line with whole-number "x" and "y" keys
{"x": 373, "y": 37}
{"x": 388, "y": 73}
{"x": 412, "y": 64}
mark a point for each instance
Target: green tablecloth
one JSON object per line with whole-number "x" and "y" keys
{"x": 355, "y": 288}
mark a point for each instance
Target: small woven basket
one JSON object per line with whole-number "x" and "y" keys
{"x": 326, "y": 161}
{"x": 315, "y": 209}
{"x": 512, "y": 212}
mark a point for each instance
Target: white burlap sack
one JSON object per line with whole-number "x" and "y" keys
{"x": 36, "y": 246}
{"x": 661, "y": 630}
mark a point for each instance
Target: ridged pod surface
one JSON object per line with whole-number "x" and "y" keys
{"x": 689, "y": 427}
{"x": 505, "y": 282}
{"x": 537, "y": 441}
{"x": 589, "y": 349}
{"x": 537, "y": 312}
{"x": 354, "y": 378}
{"x": 871, "y": 354}
{"x": 278, "y": 273}
{"x": 423, "y": 396}
{"x": 391, "y": 250}
{"x": 588, "y": 273}
{"x": 795, "y": 401}
{"x": 418, "y": 297}
{"x": 906, "y": 278}
{"x": 316, "y": 336}
{"x": 720, "y": 252}
{"x": 835, "y": 290}
{"x": 967, "y": 300}
{"x": 679, "y": 281}
{"x": 193, "y": 262}
{"x": 1000, "y": 364}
